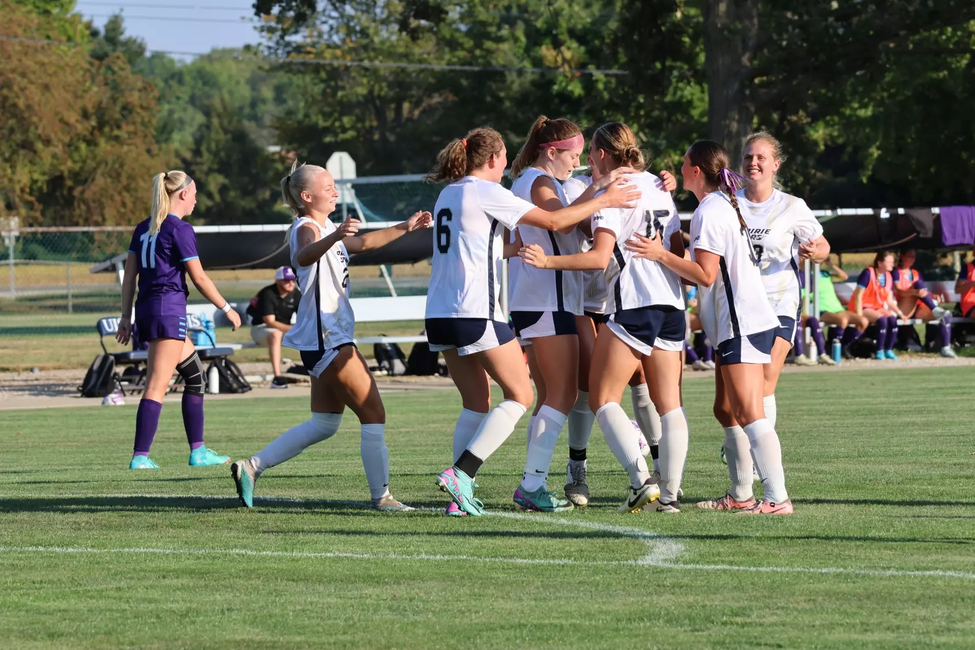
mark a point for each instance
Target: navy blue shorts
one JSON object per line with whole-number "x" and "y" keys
{"x": 751, "y": 348}
{"x": 467, "y": 335}
{"x": 786, "y": 329}
{"x": 537, "y": 324}
{"x": 161, "y": 327}
{"x": 646, "y": 328}
{"x": 316, "y": 361}
{"x": 598, "y": 319}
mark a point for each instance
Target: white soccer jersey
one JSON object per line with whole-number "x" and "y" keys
{"x": 736, "y": 304}
{"x": 469, "y": 219}
{"x": 595, "y": 292}
{"x": 534, "y": 289}
{"x": 776, "y": 227}
{"x": 638, "y": 282}
{"x": 325, "y": 319}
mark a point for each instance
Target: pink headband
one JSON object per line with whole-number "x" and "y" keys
{"x": 575, "y": 142}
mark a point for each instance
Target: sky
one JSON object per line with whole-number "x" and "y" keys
{"x": 183, "y": 25}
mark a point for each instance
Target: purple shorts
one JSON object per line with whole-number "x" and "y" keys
{"x": 161, "y": 327}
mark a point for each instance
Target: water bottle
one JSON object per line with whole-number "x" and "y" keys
{"x": 837, "y": 351}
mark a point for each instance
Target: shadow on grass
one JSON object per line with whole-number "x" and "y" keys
{"x": 467, "y": 534}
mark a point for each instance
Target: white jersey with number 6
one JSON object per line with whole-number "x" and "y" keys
{"x": 634, "y": 281}
{"x": 736, "y": 304}
{"x": 534, "y": 289}
{"x": 469, "y": 220}
{"x": 325, "y": 319}
{"x": 776, "y": 227}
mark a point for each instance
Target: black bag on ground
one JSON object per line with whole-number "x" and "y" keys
{"x": 231, "y": 378}
{"x": 390, "y": 358}
{"x": 423, "y": 361}
{"x": 100, "y": 378}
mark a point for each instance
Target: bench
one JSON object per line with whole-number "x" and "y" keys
{"x": 135, "y": 379}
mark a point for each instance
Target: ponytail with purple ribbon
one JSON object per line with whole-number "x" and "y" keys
{"x": 731, "y": 181}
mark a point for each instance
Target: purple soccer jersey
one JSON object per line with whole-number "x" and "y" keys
{"x": 162, "y": 267}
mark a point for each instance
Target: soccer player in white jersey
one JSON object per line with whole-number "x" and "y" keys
{"x": 783, "y": 232}
{"x": 738, "y": 319}
{"x": 646, "y": 326}
{"x": 463, "y": 316}
{"x": 581, "y": 417}
{"x": 323, "y": 334}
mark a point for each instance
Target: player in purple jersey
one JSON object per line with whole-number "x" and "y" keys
{"x": 162, "y": 252}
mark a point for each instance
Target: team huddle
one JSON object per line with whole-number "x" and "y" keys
{"x": 597, "y": 264}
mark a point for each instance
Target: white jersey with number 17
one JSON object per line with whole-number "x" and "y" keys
{"x": 468, "y": 246}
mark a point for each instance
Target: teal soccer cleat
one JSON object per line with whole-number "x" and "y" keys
{"x": 202, "y": 456}
{"x": 245, "y": 478}
{"x": 142, "y": 462}
{"x": 460, "y": 487}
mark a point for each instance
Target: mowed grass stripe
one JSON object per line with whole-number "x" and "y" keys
{"x": 879, "y": 464}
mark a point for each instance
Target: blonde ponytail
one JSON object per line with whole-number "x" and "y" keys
{"x": 301, "y": 179}
{"x": 164, "y": 186}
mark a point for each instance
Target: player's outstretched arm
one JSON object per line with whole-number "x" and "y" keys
{"x": 311, "y": 248}
{"x": 701, "y": 272}
{"x": 372, "y": 240}
{"x": 595, "y": 259}
{"x": 618, "y": 195}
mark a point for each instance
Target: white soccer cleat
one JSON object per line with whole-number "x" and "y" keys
{"x": 948, "y": 353}
{"x": 700, "y": 365}
{"x": 825, "y": 360}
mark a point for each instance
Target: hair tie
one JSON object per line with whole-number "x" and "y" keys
{"x": 463, "y": 141}
{"x": 165, "y": 176}
{"x": 731, "y": 179}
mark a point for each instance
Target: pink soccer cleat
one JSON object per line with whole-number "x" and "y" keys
{"x": 727, "y": 503}
{"x": 766, "y": 507}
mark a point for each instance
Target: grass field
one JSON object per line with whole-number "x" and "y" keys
{"x": 881, "y": 551}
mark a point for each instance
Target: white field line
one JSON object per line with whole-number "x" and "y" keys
{"x": 661, "y": 550}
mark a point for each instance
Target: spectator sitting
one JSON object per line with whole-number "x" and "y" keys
{"x": 965, "y": 288}
{"x": 849, "y": 325}
{"x": 799, "y": 342}
{"x": 873, "y": 298}
{"x": 916, "y": 301}
{"x": 271, "y": 311}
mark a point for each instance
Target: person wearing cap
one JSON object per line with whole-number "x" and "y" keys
{"x": 272, "y": 310}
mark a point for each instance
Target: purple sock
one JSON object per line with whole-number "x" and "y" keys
{"x": 193, "y": 419}
{"x": 891, "y": 332}
{"x": 146, "y": 423}
{"x": 691, "y": 354}
{"x": 798, "y": 345}
{"x": 850, "y": 336}
{"x": 927, "y": 300}
{"x": 945, "y": 328}
{"x": 881, "y": 333}
{"x": 817, "y": 332}
{"x": 708, "y": 353}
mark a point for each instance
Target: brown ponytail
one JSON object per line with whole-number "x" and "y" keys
{"x": 713, "y": 159}
{"x": 619, "y": 143}
{"x": 462, "y": 156}
{"x": 542, "y": 130}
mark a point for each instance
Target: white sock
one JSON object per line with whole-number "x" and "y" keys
{"x": 767, "y": 454}
{"x": 295, "y": 440}
{"x": 464, "y": 430}
{"x": 673, "y": 452}
{"x": 531, "y": 429}
{"x": 771, "y": 410}
{"x": 618, "y": 432}
{"x": 580, "y": 422}
{"x": 737, "y": 452}
{"x": 375, "y": 458}
{"x": 647, "y": 419}
{"x": 545, "y": 435}
{"x": 495, "y": 429}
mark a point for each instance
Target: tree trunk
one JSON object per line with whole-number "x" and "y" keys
{"x": 730, "y": 37}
